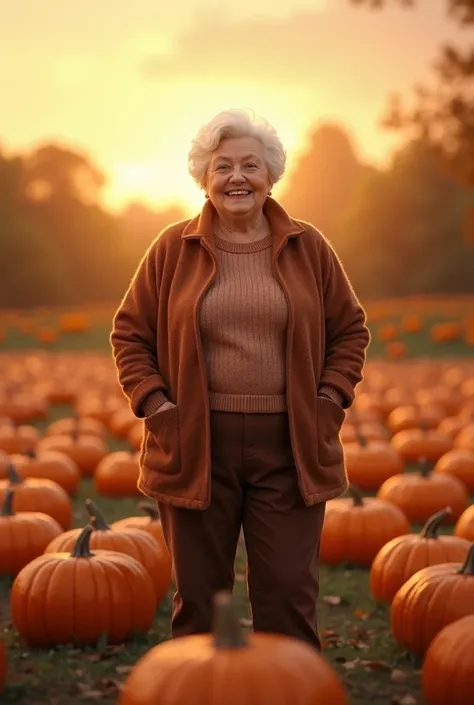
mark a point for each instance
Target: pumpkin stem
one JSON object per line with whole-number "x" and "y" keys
{"x": 31, "y": 453}
{"x": 150, "y": 509}
{"x": 7, "y": 507}
{"x": 81, "y": 547}
{"x": 13, "y": 476}
{"x": 431, "y": 528}
{"x": 227, "y": 631}
{"x": 95, "y": 513}
{"x": 361, "y": 439}
{"x": 468, "y": 566}
{"x": 426, "y": 467}
{"x": 356, "y": 495}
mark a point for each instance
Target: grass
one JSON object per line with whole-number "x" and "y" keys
{"x": 355, "y": 630}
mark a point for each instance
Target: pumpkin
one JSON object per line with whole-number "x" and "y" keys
{"x": 85, "y": 450}
{"x": 414, "y": 416}
{"x": 465, "y": 440}
{"x": 465, "y": 524}
{"x": 76, "y": 597}
{"x": 369, "y": 464}
{"x": 403, "y": 556}
{"x": 18, "y": 439}
{"x": 121, "y": 422}
{"x": 117, "y": 475}
{"x": 355, "y": 528}
{"x": 420, "y": 494}
{"x": 460, "y": 463}
{"x": 49, "y": 465}
{"x": 150, "y": 523}
{"x": 232, "y": 668}
{"x": 416, "y": 443}
{"x": 432, "y": 598}
{"x": 447, "y": 676}
{"x": 133, "y": 542}
{"x": 33, "y": 495}
{"x": 25, "y": 535}
{"x": 70, "y": 425}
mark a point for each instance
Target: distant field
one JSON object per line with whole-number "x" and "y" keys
{"x": 355, "y": 630}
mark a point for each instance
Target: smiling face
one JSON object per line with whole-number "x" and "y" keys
{"x": 237, "y": 179}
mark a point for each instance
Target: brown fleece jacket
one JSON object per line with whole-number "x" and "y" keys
{"x": 158, "y": 350}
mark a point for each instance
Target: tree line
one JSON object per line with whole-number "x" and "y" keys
{"x": 399, "y": 231}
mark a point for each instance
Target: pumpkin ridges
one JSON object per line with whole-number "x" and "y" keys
{"x": 128, "y": 610}
{"x": 447, "y": 673}
{"x": 429, "y": 600}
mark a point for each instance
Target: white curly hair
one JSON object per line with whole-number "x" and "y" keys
{"x": 229, "y": 124}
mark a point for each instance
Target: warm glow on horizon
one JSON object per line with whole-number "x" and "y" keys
{"x": 130, "y": 84}
{"x": 165, "y": 179}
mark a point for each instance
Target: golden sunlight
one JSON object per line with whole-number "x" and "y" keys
{"x": 163, "y": 176}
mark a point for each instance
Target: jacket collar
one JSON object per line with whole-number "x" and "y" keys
{"x": 281, "y": 224}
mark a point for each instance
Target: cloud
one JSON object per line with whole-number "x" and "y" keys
{"x": 345, "y": 45}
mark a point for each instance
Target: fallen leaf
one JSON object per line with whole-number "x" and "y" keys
{"x": 246, "y": 622}
{"x": 351, "y": 665}
{"x": 333, "y": 600}
{"x": 361, "y": 614}
{"x": 123, "y": 669}
{"x": 398, "y": 676}
{"x": 374, "y": 665}
{"x": 406, "y": 699}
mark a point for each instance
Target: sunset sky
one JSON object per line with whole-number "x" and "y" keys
{"x": 130, "y": 82}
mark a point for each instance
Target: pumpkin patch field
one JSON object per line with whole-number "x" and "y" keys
{"x": 85, "y": 578}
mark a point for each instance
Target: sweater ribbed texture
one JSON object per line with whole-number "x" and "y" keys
{"x": 243, "y": 320}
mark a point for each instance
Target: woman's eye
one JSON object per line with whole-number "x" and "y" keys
{"x": 221, "y": 167}
{"x": 251, "y": 166}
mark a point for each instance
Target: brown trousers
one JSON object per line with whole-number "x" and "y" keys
{"x": 254, "y": 486}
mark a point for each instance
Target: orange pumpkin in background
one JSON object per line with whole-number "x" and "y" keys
{"x": 25, "y": 535}
{"x": 421, "y": 494}
{"x": 133, "y": 542}
{"x": 32, "y": 495}
{"x": 431, "y": 599}
{"x": 348, "y": 534}
{"x": 403, "y": 556}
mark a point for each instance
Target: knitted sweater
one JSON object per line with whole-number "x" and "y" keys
{"x": 243, "y": 322}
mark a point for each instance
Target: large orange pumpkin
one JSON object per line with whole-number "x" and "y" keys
{"x": 447, "y": 675}
{"x": 421, "y": 494}
{"x": 460, "y": 463}
{"x": 32, "y": 495}
{"x": 403, "y": 556}
{"x": 416, "y": 443}
{"x": 465, "y": 524}
{"x": 229, "y": 667}
{"x": 25, "y": 535}
{"x": 49, "y": 465}
{"x": 117, "y": 475}
{"x": 370, "y": 463}
{"x": 150, "y": 523}
{"x": 133, "y": 542}
{"x": 355, "y": 528}
{"x": 76, "y": 597}
{"x": 429, "y": 600}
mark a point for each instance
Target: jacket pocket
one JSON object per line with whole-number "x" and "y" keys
{"x": 330, "y": 419}
{"x": 161, "y": 450}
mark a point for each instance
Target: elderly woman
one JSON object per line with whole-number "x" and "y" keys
{"x": 240, "y": 342}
